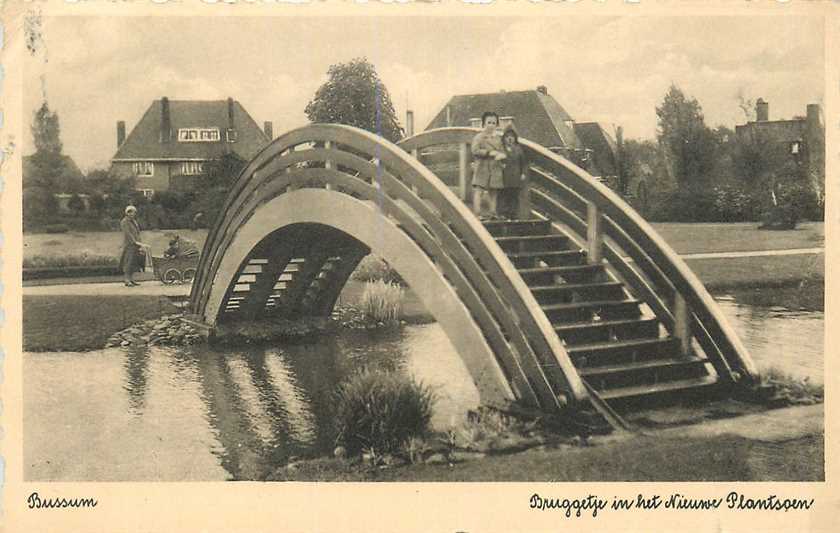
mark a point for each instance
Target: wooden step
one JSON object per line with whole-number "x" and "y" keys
{"x": 508, "y": 228}
{"x": 600, "y": 290}
{"x": 559, "y": 275}
{"x": 550, "y": 258}
{"x": 640, "y": 373}
{"x": 659, "y": 388}
{"x": 585, "y": 310}
{"x": 642, "y": 365}
{"x": 620, "y": 352}
{"x": 619, "y": 345}
{"x": 533, "y": 243}
{"x": 589, "y": 331}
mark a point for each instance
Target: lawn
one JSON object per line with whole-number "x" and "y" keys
{"x": 99, "y": 242}
{"x": 684, "y": 238}
{"x": 738, "y": 237}
{"x": 71, "y": 323}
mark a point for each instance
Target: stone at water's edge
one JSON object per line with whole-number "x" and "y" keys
{"x": 169, "y": 330}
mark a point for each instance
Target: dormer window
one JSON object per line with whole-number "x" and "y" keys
{"x": 503, "y": 122}
{"x": 231, "y": 135}
{"x": 197, "y": 135}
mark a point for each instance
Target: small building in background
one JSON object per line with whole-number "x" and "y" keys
{"x": 802, "y": 138}
{"x": 174, "y": 140}
{"x": 538, "y": 117}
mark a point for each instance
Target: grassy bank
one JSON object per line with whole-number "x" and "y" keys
{"x": 83, "y": 322}
{"x": 642, "y": 458}
{"x": 764, "y": 271}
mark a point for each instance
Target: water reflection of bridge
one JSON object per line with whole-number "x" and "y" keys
{"x": 547, "y": 312}
{"x": 262, "y": 406}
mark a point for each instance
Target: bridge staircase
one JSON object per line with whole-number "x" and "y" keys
{"x": 618, "y": 346}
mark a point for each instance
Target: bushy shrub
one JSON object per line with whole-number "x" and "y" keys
{"x": 380, "y": 411}
{"x": 382, "y": 301}
{"x": 733, "y": 204}
{"x": 374, "y": 268}
{"x": 83, "y": 258}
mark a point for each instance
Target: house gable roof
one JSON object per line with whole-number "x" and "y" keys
{"x": 594, "y": 137}
{"x": 537, "y": 116}
{"x": 144, "y": 140}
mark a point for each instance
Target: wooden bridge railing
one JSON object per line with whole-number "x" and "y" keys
{"x": 358, "y": 163}
{"x": 611, "y": 229}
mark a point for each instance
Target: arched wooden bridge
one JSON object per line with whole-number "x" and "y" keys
{"x": 580, "y": 301}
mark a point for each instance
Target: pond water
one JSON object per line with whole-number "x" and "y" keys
{"x": 200, "y": 413}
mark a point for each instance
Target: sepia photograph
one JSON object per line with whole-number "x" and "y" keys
{"x": 437, "y": 248}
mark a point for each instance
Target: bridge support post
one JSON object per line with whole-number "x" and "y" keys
{"x": 463, "y": 171}
{"x": 594, "y": 233}
{"x": 682, "y": 324}
{"x": 416, "y": 155}
{"x": 328, "y": 164}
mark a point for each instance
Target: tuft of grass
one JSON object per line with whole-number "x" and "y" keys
{"x": 378, "y": 412}
{"x": 382, "y": 302}
{"x": 797, "y": 390}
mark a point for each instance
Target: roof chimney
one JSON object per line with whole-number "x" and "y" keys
{"x": 448, "y": 116}
{"x": 409, "y": 123}
{"x": 542, "y": 89}
{"x": 268, "y": 128}
{"x": 762, "y": 110}
{"x": 813, "y": 114}
{"x": 230, "y": 112}
{"x": 165, "y": 121}
{"x": 120, "y": 133}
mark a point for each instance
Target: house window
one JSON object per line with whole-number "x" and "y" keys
{"x": 795, "y": 147}
{"x": 198, "y": 135}
{"x": 231, "y": 135}
{"x": 503, "y": 122}
{"x": 192, "y": 168}
{"x": 148, "y": 193}
{"x": 144, "y": 169}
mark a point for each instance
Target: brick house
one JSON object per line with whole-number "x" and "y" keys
{"x": 803, "y": 138}
{"x": 538, "y": 117}
{"x": 172, "y": 142}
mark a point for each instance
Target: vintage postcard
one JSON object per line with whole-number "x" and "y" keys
{"x": 432, "y": 266}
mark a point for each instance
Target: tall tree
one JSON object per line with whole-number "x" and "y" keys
{"x": 46, "y": 130}
{"x": 354, "y": 95}
{"x": 685, "y": 138}
{"x": 47, "y": 163}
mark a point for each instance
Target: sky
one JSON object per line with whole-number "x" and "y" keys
{"x": 94, "y": 71}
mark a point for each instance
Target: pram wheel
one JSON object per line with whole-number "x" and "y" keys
{"x": 188, "y": 275}
{"x": 172, "y": 275}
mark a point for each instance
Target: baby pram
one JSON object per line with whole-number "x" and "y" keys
{"x": 178, "y": 263}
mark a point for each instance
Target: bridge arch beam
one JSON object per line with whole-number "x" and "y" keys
{"x": 365, "y": 222}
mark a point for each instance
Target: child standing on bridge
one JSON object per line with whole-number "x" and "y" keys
{"x": 513, "y": 198}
